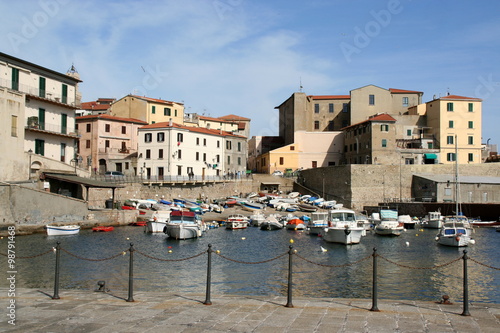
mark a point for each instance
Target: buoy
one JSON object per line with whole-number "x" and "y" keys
{"x": 217, "y": 251}
{"x": 128, "y": 238}
{"x": 243, "y": 238}
{"x": 169, "y": 247}
{"x": 472, "y": 241}
{"x": 407, "y": 243}
{"x": 291, "y": 241}
{"x": 169, "y": 251}
{"x": 416, "y": 235}
{"x": 323, "y": 249}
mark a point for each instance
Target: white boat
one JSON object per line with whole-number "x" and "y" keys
{"x": 271, "y": 223}
{"x": 237, "y": 221}
{"x": 364, "y": 221}
{"x": 252, "y": 206}
{"x": 455, "y": 233}
{"x": 388, "y": 224}
{"x": 183, "y": 225}
{"x": 53, "y": 230}
{"x": 318, "y": 221}
{"x": 257, "y": 219}
{"x": 433, "y": 220}
{"x": 343, "y": 227}
{"x": 408, "y": 221}
{"x": 158, "y": 221}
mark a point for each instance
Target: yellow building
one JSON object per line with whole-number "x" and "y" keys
{"x": 458, "y": 118}
{"x": 150, "y": 110}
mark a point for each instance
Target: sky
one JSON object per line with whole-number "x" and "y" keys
{"x": 246, "y": 57}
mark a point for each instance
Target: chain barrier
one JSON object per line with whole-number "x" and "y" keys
{"x": 480, "y": 263}
{"x": 251, "y": 262}
{"x": 89, "y": 259}
{"x": 334, "y": 266}
{"x": 161, "y": 259}
{"x": 412, "y": 267}
{"x": 29, "y": 257}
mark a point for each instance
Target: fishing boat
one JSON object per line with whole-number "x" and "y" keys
{"x": 317, "y": 222}
{"x": 271, "y": 223}
{"x": 251, "y": 206}
{"x": 103, "y": 229}
{"x": 408, "y": 221}
{"x": 237, "y": 221}
{"x": 158, "y": 221}
{"x": 479, "y": 223}
{"x": 388, "y": 224}
{"x": 433, "y": 220}
{"x": 456, "y": 230}
{"x": 63, "y": 230}
{"x": 183, "y": 225}
{"x": 295, "y": 224}
{"x": 307, "y": 207}
{"x": 343, "y": 227}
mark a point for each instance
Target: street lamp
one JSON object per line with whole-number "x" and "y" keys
{"x": 29, "y": 165}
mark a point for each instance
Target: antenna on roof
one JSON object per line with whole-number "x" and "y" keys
{"x": 300, "y": 86}
{"x": 448, "y": 91}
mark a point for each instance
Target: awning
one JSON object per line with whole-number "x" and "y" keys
{"x": 430, "y": 156}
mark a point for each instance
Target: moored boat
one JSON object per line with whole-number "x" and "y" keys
{"x": 237, "y": 221}
{"x": 158, "y": 221}
{"x": 343, "y": 227}
{"x": 455, "y": 233}
{"x": 63, "y": 230}
{"x": 271, "y": 223}
{"x": 318, "y": 221}
{"x": 103, "y": 228}
{"x": 295, "y": 224}
{"x": 433, "y": 220}
{"x": 388, "y": 224}
{"x": 183, "y": 225}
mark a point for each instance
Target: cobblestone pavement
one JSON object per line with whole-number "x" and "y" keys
{"x": 89, "y": 311}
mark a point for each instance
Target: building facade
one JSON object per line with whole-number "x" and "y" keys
{"x": 150, "y": 110}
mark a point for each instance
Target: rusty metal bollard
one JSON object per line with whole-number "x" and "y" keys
{"x": 131, "y": 275}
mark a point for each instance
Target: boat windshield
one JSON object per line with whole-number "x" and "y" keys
{"x": 342, "y": 216}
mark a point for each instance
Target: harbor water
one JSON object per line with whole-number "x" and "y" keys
{"x": 255, "y": 262}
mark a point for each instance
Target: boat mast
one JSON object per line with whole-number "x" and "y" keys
{"x": 456, "y": 179}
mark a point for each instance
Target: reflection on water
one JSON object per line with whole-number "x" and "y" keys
{"x": 334, "y": 273}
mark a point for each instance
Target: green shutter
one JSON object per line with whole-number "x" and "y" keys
{"x": 41, "y": 87}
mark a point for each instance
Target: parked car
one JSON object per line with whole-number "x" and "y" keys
{"x": 114, "y": 175}
{"x": 277, "y": 173}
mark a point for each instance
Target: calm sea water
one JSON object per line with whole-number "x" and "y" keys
{"x": 338, "y": 272}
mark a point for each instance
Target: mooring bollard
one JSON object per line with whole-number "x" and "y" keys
{"x": 374, "y": 286}
{"x": 466, "y": 287}
{"x": 56, "y": 279}
{"x": 131, "y": 275}
{"x": 209, "y": 275}
{"x": 289, "y": 297}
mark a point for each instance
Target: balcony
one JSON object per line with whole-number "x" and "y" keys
{"x": 34, "y": 126}
{"x": 418, "y": 143}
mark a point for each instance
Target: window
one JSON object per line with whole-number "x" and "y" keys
{"x": 450, "y": 157}
{"x": 239, "y": 146}
{"x": 64, "y": 123}
{"x": 153, "y": 109}
{"x": 205, "y": 142}
{"x": 218, "y": 144}
{"x": 107, "y": 128}
{"x": 450, "y": 124}
{"x": 124, "y": 130}
{"x": 345, "y": 107}
{"x": 41, "y": 118}
{"x": 449, "y": 139}
{"x": 228, "y": 160}
{"x": 405, "y": 101}
{"x": 282, "y": 160}
{"x": 471, "y": 124}
{"x": 179, "y": 154}
{"x": 471, "y": 107}
{"x": 239, "y": 160}
{"x": 166, "y": 111}
{"x": 41, "y": 87}
{"x": 471, "y": 157}
{"x": 148, "y": 153}
{"x": 345, "y": 123}
{"x": 449, "y": 106}
{"x": 63, "y": 152}
{"x": 384, "y": 128}
{"x": 217, "y": 158}
{"x": 13, "y": 126}
{"x": 408, "y": 132}
{"x": 15, "y": 79}
{"x": 106, "y": 143}
{"x": 384, "y": 143}
{"x": 197, "y": 141}
{"x": 314, "y": 164}
{"x": 316, "y": 124}
{"x": 160, "y": 137}
{"x": 228, "y": 145}
{"x": 316, "y": 108}
{"x": 88, "y": 128}
{"x": 180, "y": 137}
{"x": 371, "y": 99}
{"x": 197, "y": 156}
{"x": 160, "y": 153}
{"x": 204, "y": 157}
{"x": 470, "y": 140}
{"x": 124, "y": 147}
{"x": 64, "y": 98}
{"x": 330, "y": 108}
{"x": 330, "y": 125}
{"x": 87, "y": 144}
{"x": 40, "y": 147}
{"x": 148, "y": 137}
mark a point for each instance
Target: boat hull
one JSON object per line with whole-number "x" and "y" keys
{"x": 388, "y": 230}
{"x": 62, "y": 230}
{"x": 266, "y": 225}
{"x": 342, "y": 235}
{"x": 183, "y": 230}
{"x": 155, "y": 226}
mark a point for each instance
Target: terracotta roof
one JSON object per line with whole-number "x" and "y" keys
{"x": 94, "y": 106}
{"x": 459, "y": 97}
{"x": 109, "y": 117}
{"x": 384, "y": 117}
{"x": 155, "y": 100}
{"x": 330, "y": 96}
{"x": 403, "y": 91}
{"x": 234, "y": 118}
{"x": 202, "y": 130}
{"x": 215, "y": 119}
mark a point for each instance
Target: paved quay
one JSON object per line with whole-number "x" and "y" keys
{"x": 89, "y": 311}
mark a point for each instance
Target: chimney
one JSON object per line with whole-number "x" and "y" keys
{"x": 170, "y": 122}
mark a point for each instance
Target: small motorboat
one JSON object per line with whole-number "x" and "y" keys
{"x": 103, "y": 229}
{"x": 295, "y": 224}
{"x": 138, "y": 223}
{"x": 53, "y": 230}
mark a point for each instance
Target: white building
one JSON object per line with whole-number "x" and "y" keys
{"x": 37, "y": 122}
{"x": 171, "y": 151}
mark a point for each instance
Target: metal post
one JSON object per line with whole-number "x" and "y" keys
{"x": 131, "y": 274}
{"x": 374, "y": 287}
{"x": 466, "y": 287}
{"x": 209, "y": 275}
{"x": 289, "y": 298}
{"x": 56, "y": 279}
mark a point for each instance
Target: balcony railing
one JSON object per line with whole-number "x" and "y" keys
{"x": 52, "y": 128}
{"x": 39, "y": 93}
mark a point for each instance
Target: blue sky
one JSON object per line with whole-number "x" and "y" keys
{"x": 245, "y": 57}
